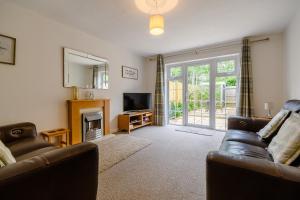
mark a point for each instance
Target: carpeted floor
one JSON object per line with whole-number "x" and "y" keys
{"x": 172, "y": 168}
{"x": 120, "y": 147}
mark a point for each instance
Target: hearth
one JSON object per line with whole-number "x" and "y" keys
{"x": 92, "y": 126}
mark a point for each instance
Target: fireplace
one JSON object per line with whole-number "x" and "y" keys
{"x": 92, "y": 126}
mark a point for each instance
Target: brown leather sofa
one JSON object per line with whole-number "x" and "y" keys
{"x": 243, "y": 169}
{"x": 45, "y": 172}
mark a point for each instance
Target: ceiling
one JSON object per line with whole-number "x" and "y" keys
{"x": 193, "y": 23}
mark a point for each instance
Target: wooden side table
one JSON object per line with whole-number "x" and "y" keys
{"x": 61, "y": 133}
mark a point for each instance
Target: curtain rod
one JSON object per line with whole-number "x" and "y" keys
{"x": 197, "y": 50}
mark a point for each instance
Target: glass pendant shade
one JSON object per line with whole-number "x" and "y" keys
{"x": 156, "y": 24}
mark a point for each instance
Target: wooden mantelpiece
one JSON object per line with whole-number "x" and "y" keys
{"x": 74, "y": 116}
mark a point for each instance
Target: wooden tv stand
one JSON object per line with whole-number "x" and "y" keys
{"x": 133, "y": 120}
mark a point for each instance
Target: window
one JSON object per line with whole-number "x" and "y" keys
{"x": 175, "y": 72}
{"x": 227, "y": 66}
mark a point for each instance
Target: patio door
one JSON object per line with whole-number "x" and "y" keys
{"x": 202, "y": 93}
{"x": 197, "y": 97}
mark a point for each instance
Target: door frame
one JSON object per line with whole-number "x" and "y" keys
{"x": 212, "y": 62}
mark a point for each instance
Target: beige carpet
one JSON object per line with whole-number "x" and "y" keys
{"x": 116, "y": 148}
{"x": 171, "y": 168}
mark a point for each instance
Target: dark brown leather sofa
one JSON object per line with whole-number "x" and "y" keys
{"x": 243, "y": 169}
{"x": 45, "y": 172}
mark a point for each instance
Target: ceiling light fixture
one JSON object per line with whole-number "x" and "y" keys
{"x": 157, "y": 24}
{"x": 146, "y": 6}
{"x": 156, "y": 8}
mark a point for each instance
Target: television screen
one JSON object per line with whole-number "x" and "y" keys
{"x": 136, "y": 101}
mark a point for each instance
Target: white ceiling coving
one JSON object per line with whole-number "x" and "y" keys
{"x": 192, "y": 23}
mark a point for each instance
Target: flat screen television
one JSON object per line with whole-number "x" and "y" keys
{"x": 136, "y": 101}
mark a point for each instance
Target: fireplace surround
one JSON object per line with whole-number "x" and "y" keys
{"x": 75, "y": 108}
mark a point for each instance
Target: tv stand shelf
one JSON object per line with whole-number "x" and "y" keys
{"x": 133, "y": 120}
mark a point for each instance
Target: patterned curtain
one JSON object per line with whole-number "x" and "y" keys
{"x": 245, "y": 103}
{"x": 159, "y": 108}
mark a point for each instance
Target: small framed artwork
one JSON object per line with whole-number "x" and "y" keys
{"x": 129, "y": 72}
{"x": 7, "y": 50}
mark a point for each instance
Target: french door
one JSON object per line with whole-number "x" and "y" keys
{"x": 202, "y": 93}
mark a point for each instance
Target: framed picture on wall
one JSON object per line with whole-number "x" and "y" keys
{"x": 7, "y": 50}
{"x": 129, "y": 72}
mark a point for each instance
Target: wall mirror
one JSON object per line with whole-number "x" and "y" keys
{"x": 84, "y": 70}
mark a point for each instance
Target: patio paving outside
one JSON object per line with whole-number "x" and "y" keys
{"x": 201, "y": 118}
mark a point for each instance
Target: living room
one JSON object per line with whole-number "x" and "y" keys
{"x": 166, "y": 54}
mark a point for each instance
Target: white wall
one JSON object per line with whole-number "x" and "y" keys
{"x": 267, "y": 70}
{"x": 292, "y": 59}
{"x": 32, "y": 90}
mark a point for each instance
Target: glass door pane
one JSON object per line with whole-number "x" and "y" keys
{"x": 225, "y": 100}
{"x": 175, "y": 101}
{"x": 197, "y": 98}
{"x": 225, "y": 92}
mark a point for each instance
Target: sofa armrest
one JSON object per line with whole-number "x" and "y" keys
{"x": 234, "y": 177}
{"x": 67, "y": 173}
{"x": 246, "y": 123}
{"x": 14, "y": 132}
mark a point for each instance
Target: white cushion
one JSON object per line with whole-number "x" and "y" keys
{"x": 2, "y": 163}
{"x": 5, "y": 155}
{"x": 285, "y": 146}
{"x": 274, "y": 124}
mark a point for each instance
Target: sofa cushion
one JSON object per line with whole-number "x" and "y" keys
{"x": 35, "y": 153}
{"x": 2, "y": 164}
{"x": 6, "y": 157}
{"x": 285, "y": 146}
{"x": 27, "y": 145}
{"x": 292, "y": 105}
{"x": 244, "y": 137}
{"x": 272, "y": 127}
{"x": 243, "y": 149}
